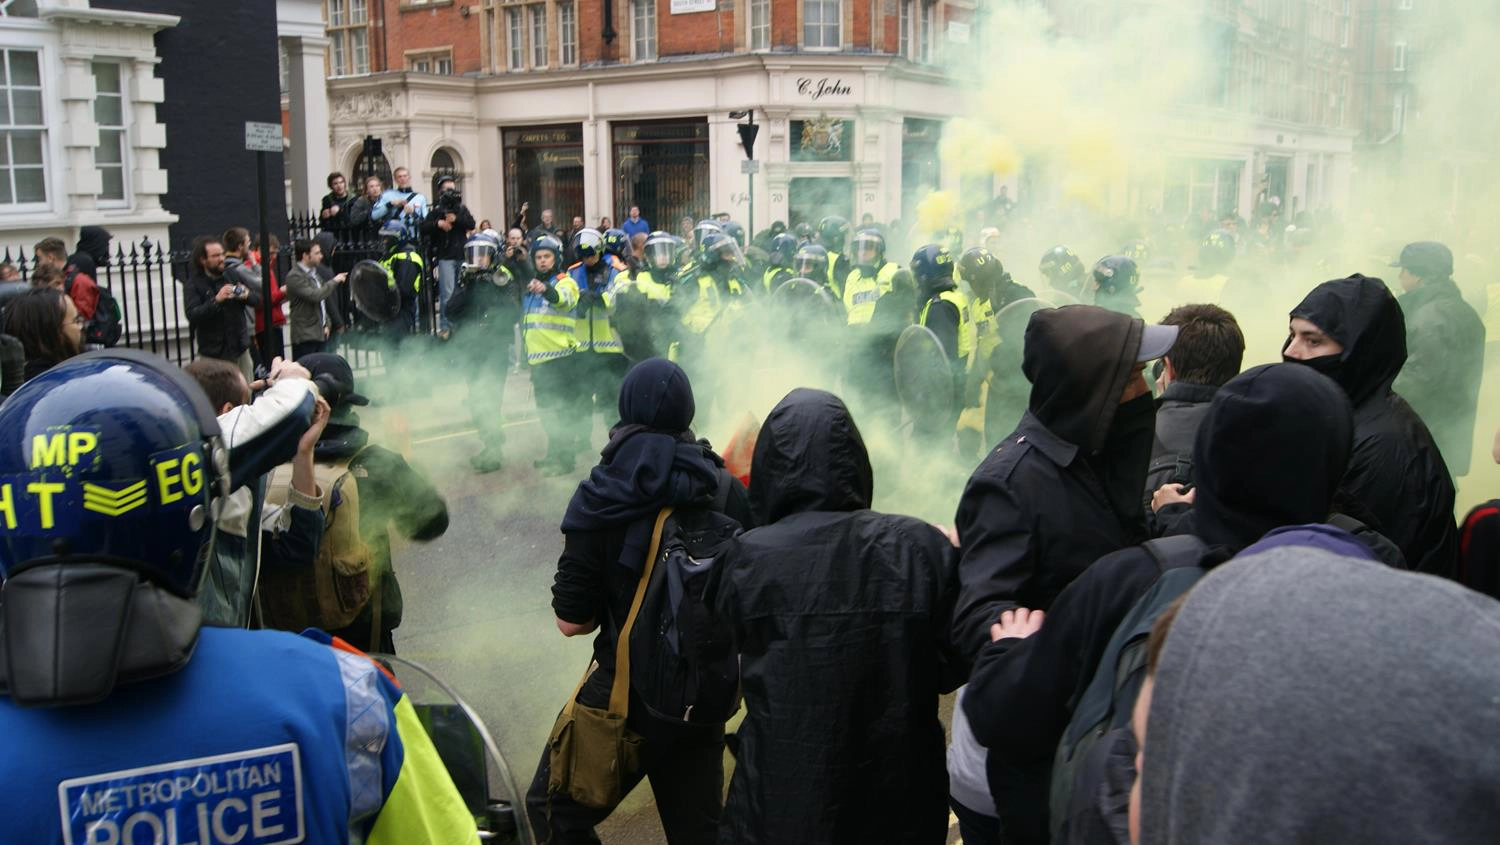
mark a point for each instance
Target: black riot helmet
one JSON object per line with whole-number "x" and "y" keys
{"x": 833, "y": 233}
{"x": 811, "y": 262}
{"x": 1116, "y": 274}
{"x": 783, "y": 248}
{"x": 868, "y": 250}
{"x": 982, "y": 270}
{"x": 1062, "y": 268}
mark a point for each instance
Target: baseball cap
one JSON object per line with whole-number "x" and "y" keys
{"x": 1428, "y": 259}
{"x": 1156, "y": 341}
{"x": 334, "y": 378}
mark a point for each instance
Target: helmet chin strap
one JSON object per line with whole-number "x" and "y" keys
{"x": 71, "y": 632}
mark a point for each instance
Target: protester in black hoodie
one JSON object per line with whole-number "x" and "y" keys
{"x": 840, "y": 615}
{"x": 1064, "y": 488}
{"x": 1274, "y": 445}
{"x": 652, "y": 461}
{"x": 1352, "y": 330}
{"x": 391, "y": 495}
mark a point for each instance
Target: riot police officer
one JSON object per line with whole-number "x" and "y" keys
{"x": 811, "y": 262}
{"x": 1063, "y": 270}
{"x": 1116, "y": 285}
{"x": 643, "y": 297}
{"x": 485, "y": 308}
{"x": 601, "y": 364}
{"x": 779, "y": 266}
{"x": 870, "y": 278}
{"x": 944, "y": 311}
{"x": 126, "y": 719}
{"x": 833, "y": 235}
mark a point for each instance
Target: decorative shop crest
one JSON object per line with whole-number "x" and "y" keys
{"x": 823, "y": 136}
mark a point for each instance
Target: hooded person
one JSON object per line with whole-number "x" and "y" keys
{"x": 840, "y": 616}
{"x": 652, "y": 461}
{"x": 1063, "y": 489}
{"x": 1273, "y": 448}
{"x": 1352, "y": 330}
{"x": 93, "y": 250}
{"x": 1297, "y": 698}
{"x": 392, "y": 495}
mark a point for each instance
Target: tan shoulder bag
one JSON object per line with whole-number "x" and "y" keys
{"x": 591, "y": 751}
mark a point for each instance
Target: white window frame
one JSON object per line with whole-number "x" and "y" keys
{"x": 1398, "y": 59}
{"x": 837, "y": 25}
{"x": 926, "y": 30}
{"x": 349, "y": 37}
{"x": 122, "y": 138}
{"x": 905, "y": 18}
{"x": 537, "y": 23}
{"x": 439, "y": 62}
{"x": 515, "y": 39}
{"x": 567, "y": 33}
{"x": 758, "y": 38}
{"x": 7, "y": 170}
{"x": 644, "y": 46}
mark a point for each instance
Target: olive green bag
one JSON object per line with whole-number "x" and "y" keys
{"x": 590, "y": 751}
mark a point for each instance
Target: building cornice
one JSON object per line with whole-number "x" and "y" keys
{"x": 108, "y": 17}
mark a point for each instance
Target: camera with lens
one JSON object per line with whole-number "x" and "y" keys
{"x": 240, "y": 290}
{"x": 450, "y": 201}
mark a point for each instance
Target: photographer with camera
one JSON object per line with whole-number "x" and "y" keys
{"x": 514, "y": 255}
{"x": 217, "y": 307}
{"x": 447, "y": 228}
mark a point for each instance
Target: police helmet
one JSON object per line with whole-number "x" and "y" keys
{"x": 549, "y": 244}
{"x": 712, "y": 249}
{"x": 1216, "y": 251}
{"x": 663, "y": 251}
{"x": 1116, "y": 274}
{"x": 112, "y": 457}
{"x": 736, "y": 231}
{"x": 833, "y": 232}
{"x": 588, "y": 243}
{"x": 869, "y": 249}
{"x": 704, "y": 229}
{"x": 803, "y": 232}
{"x": 1061, "y": 266}
{"x": 1138, "y": 251}
{"x": 616, "y": 243}
{"x": 931, "y": 264}
{"x": 980, "y": 268}
{"x": 480, "y": 251}
{"x": 811, "y": 262}
{"x": 783, "y": 248}
{"x": 392, "y": 229}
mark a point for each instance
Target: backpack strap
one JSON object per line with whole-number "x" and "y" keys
{"x": 619, "y": 693}
{"x": 721, "y": 495}
{"x": 1176, "y": 552}
{"x": 68, "y": 277}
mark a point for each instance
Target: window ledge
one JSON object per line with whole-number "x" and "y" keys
{"x": 407, "y": 6}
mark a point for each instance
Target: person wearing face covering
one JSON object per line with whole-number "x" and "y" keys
{"x": 840, "y": 615}
{"x": 1353, "y": 331}
{"x": 1297, "y": 699}
{"x": 652, "y": 461}
{"x": 1267, "y": 426}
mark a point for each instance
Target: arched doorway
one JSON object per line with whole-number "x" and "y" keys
{"x": 445, "y": 164}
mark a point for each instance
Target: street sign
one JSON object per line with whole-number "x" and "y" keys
{"x": 684, "y": 7}
{"x": 750, "y": 167}
{"x": 748, "y": 131}
{"x": 263, "y": 137}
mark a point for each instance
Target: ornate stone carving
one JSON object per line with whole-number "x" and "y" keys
{"x": 363, "y": 105}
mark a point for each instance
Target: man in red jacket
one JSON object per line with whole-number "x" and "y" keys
{"x": 77, "y": 284}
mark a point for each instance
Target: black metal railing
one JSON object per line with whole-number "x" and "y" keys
{"x": 146, "y": 276}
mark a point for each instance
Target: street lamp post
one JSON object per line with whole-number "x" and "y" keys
{"x": 748, "y": 130}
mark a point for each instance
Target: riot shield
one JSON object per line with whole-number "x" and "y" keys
{"x": 924, "y": 379}
{"x": 1010, "y": 321}
{"x": 1055, "y": 297}
{"x": 475, "y": 763}
{"x": 374, "y": 292}
{"x": 807, "y": 303}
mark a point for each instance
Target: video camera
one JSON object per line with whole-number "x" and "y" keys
{"x": 450, "y": 201}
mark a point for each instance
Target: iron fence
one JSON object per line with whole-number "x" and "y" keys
{"x": 146, "y": 278}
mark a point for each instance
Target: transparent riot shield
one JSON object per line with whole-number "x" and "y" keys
{"x": 473, "y": 759}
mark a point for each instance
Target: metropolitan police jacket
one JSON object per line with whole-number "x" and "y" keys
{"x": 263, "y": 737}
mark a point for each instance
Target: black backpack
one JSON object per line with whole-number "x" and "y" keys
{"x": 108, "y": 322}
{"x": 683, "y": 667}
{"x": 1090, "y": 751}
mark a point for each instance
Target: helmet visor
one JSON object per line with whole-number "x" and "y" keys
{"x": 868, "y": 249}
{"x": 480, "y": 253}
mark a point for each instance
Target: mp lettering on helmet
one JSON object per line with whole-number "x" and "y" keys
{"x": 64, "y": 448}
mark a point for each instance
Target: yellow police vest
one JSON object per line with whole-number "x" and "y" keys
{"x": 861, "y": 292}
{"x": 547, "y": 328}
{"x": 701, "y": 314}
{"x": 644, "y": 283}
{"x": 836, "y": 283}
{"x": 965, "y": 320}
{"x": 407, "y": 255}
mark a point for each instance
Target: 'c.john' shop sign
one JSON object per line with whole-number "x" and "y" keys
{"x": 822, "y": 89}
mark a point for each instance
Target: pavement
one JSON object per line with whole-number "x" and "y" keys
{"x": 477, "y": 600}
